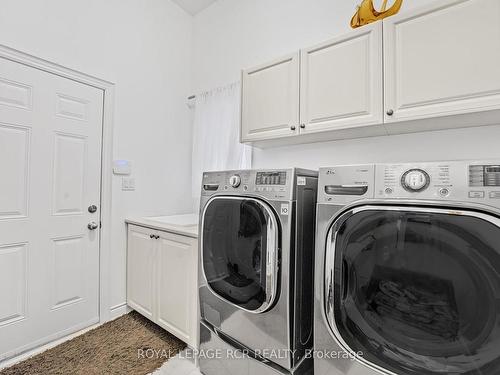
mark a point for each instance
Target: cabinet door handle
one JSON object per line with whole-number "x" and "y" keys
{"x": 302, "y": 126}
{"x": 157, "y": 237}
{"x": 390, "y": 112}
{"x": 292, "y": 127}
{"x": 151, "y": 236}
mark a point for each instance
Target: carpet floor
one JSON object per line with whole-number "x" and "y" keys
{"x": 130, "y": 344}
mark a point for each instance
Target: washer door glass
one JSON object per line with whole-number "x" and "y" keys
{"x": 239, "y": 252}
{"x": 416, "y": 290}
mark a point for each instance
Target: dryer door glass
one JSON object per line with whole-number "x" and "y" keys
{"x": 239, "y": 252}
{"x": 416, "y": 290}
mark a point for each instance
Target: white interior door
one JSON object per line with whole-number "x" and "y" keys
{"x": 50, "y": 161}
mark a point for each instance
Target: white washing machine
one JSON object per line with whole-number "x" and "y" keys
{"x": 407, "y": 277}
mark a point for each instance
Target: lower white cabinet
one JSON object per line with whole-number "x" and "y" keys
{"x": 141, "y": 254}
{"x": 162, "y": 280}
{"x": 176, "y": 283}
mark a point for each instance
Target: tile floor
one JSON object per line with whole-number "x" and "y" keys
{"x": 179, "y": 365}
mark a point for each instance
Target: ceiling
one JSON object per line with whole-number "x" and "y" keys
{"x": 194, "y": 6}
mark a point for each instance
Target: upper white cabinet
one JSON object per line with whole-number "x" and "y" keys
{"x": 270, "y": 100}
{"x": 442, "y": 60}
{"x": 341, "y": 82}
{"x": 436, "y": 67}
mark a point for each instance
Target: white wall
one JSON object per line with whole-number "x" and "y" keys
{"x": 235, "y": 34}
{"x": 144, "y": 47}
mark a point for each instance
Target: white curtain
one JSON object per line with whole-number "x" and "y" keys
{"x": 216, "y": 131}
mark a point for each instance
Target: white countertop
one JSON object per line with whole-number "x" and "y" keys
{"x": 186, "y": 225}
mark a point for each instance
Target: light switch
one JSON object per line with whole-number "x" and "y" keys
{"x": 128, "y": 184}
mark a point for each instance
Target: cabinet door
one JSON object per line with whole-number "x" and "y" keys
{"x": 442, "y": 60}
{"x": 177, "y": 287}
{"x": 141, "y": 254}
{"x": 341, "y": 82}
{"x": 270, "y": 100}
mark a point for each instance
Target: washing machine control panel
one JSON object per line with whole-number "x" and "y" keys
{"x": 269, "y": 184}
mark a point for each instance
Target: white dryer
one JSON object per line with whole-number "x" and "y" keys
{"x": 407, "y": 274}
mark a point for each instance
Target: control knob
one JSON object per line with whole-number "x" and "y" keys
{"x": 235, "y": 181}
{"x": 415, "y": 180}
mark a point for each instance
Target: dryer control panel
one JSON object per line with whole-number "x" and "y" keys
{"x": 455, "y": 180}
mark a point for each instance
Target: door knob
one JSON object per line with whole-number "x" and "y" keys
{"x": 92, "y": 208}
{"x": 390, "y": 112}
{"x": 302, "y": 126}
{"x": 292, "y": 127}
{"x": 92, "y": 225}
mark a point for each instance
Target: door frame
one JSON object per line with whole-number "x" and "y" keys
{"x": 108, "y": 89}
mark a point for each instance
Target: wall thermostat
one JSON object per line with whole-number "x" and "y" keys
{"x": 122, "y": 167}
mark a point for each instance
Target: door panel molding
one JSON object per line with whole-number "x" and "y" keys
{"x": 15, "y": 94}
{"x": 68, "y": 258}
{"x": 16, "y": 179}
{"x": 15, "y": 271}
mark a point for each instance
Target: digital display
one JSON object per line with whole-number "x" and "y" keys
{"x": 270, "y": 178}
{"x": 484, "y": 175}
{"x": 493, "y": 169}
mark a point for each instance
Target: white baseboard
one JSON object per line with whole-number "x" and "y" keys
{"x": 118, "y": 310}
